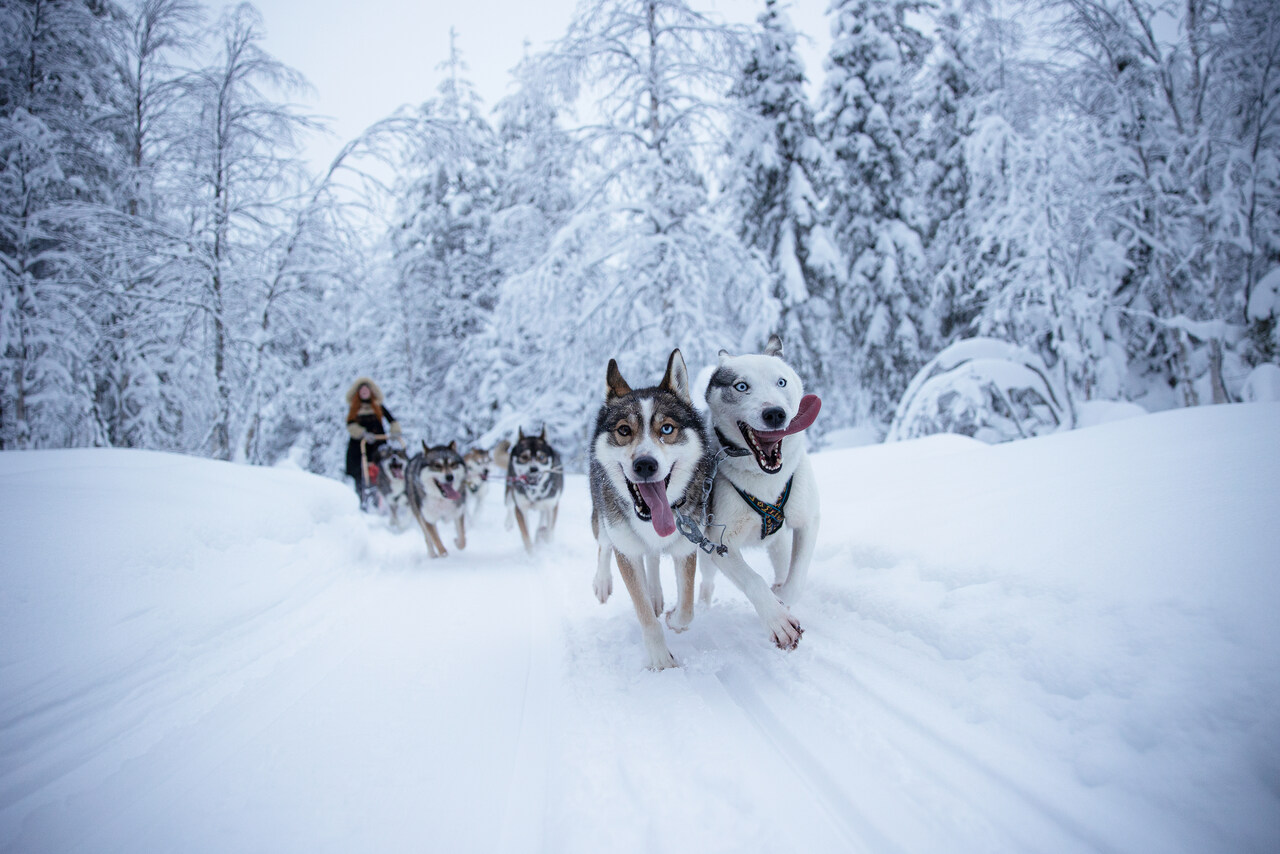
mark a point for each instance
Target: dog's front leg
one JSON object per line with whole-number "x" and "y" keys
{"x": 603, "y": 582}
{"x": 802, "y": 544}
{"x": 434, "y": 536}
{"x": 461, "y": 540}
{"x": 783, "y": 628}
{"x": 680, "y": 618}
{"x": 655, "y": 644}
{"x": 524, "y": 530}
{"x": 653, "y": 578}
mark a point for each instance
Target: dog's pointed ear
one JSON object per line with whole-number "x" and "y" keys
{"x": 616, "y": 385}
{"x": 676, "y": 379}
{"x": 424, "y": 446}
{"x": 543, "y": 434}
{"x": 774, "y": 347}
{"x": 722, "y": 355}
{"x": 453, "y": 446}
{"x": 521, "y": 439}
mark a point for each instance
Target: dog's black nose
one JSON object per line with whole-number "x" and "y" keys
{"x": 449, "y": 477}
{"x": 532, "y": 469}
{"x": 775, "y": 417}
{"x": 645, "y": 467}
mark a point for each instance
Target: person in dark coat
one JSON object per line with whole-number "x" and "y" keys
{"x": 368, "y": 419}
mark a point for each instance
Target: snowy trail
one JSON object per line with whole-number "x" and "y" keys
{"x": 260, "y": 668}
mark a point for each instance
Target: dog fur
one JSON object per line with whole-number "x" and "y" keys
{"x": 435, "y": 478}
{"x": 746, "y": 395}
{"x": 535, "y": 482}
{"x": 480, "y": 465}
{"x": 650, "y": 455}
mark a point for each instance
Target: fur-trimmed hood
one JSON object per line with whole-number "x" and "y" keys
{"x": 376, "y": 393}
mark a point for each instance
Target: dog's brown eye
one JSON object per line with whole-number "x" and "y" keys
{"x": 624, "y": 430}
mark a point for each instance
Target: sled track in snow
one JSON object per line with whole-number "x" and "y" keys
{"x": 856, "y": 826}
{"x": 958, "y": 768}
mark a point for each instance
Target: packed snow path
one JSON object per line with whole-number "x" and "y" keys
{"x": 1064, "y": 644}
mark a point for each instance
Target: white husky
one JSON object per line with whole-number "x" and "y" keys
{"x": 764, "y": 493}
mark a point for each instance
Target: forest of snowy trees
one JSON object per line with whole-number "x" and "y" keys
{"x": 1100, "y": 187}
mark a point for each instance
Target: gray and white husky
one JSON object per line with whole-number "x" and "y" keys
{"x": 535, "y": 481}
{"x": 764, "y": 493}
{"x": 393, "y": 467}
{"x": 435, "y": 480}
{"x": 650, "y": 453}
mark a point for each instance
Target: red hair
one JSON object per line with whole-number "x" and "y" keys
{"x": 356, "y": 403}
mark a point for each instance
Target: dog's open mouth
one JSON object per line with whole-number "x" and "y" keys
{"x": 766, "y": 445}
{"x": 649, "y": 500}
{"x": 447, "y": 490}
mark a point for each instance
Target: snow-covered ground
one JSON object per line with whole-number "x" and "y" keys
{"x": 1064, "y": 644}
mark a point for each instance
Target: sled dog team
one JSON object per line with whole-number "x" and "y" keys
{"x": 440, "y": 485}
{"x": 665, "y": 480}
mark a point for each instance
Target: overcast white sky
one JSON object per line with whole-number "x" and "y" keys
{"x": 366, "y": 59}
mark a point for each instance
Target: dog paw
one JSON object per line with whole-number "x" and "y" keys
{"x": 678, "y": 623}
{"x": 460, "y": 544}
{"x": 785, "y": 631}
{"x": 662, "y": 660}
{"x": 603, "y": 586}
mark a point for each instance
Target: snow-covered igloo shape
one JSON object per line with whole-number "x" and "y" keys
{"x": 991, "y": 390}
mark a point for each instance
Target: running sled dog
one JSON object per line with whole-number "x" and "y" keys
{"x": 392, "y": 483}
{"x": 650, "y": 458}
{"x": 764, "y": 492}
{"x": 435, "y": 480}
{"x": 535, "y": 480}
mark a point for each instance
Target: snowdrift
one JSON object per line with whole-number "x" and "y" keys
{"x": 1062, "y": 644}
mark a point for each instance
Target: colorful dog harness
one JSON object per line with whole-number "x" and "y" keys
{"x": 771, "y": 515}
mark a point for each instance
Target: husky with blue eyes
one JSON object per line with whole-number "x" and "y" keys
{"x": 764, "y": 493}
{"x": 650, "y": 460}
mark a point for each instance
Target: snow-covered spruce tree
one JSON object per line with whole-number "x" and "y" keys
{"x": 866, "y": 116}
{"x": 242, "y": 174}
{"x": 56, "y": 163}
{"x": 445, "y": 274}
{"x": 643, "y": 265}
{"x": 947, "y": 99}
{"x": 775, "y": 173}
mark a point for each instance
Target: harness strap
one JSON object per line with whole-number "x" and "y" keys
{"x": 771, "y": 515}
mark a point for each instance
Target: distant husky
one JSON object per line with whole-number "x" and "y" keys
{"x": 535, "y": 480}
{"x": 435, "y": 478}
{"x": 479, "y": 462}
{"x": 649, "y": 454}
{"x": 393, "y": 466}
{"x": 764, "y": 490}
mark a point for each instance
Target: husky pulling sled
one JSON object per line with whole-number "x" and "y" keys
{"x": 650, "y": 456}
{"x": 764, "y": 492}
{"x": 535, "y": 482}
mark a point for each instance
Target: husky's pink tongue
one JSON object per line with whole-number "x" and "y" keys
{"x": 449, "y": 492}
{"x": 655, "y": 495}
{"x": 805, "y": 415}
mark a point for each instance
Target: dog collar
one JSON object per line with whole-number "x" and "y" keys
{"x": 771, "y": 515}
{"x": 730, "y": 448}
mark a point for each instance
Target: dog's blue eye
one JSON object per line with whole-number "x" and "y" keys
{"x": 667, "y": 429}
{"x": 782, "y": 381}
{"x": 741, "y": 386}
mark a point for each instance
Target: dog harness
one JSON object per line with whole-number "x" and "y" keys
{"x": 771, "y": 515}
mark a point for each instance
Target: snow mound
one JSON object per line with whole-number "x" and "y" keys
{"x": 991, "y": 390}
